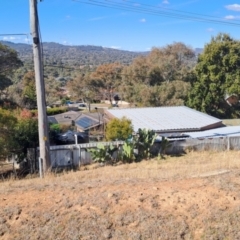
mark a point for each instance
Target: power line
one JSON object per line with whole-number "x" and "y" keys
{"x": 153, "y": 11}
{"x": 173, "y": 10}
{"x": 14, "y": 34}
{"x": 158, "y": 13}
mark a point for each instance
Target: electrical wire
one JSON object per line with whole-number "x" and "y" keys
{"x": 17, "y": 34}
{"x": 139, "y": 8}
{"x": 173, "y": 10}
{"x": 152, "y": 11}
{"x": 14, "y": 34}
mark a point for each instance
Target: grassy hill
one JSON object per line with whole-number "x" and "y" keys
{"x": 196, "y": 196}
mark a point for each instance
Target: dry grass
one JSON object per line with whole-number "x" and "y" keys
{"x": 231, "y": 122}
{"x": 195, "y": 196}
{"x": 191, "y": 165}
{"x": 5, "y": 167}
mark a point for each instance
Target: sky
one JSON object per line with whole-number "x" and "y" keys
{"x": 134, "y": 25}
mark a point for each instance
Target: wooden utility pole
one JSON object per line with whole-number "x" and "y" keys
{"x": 44, "y": 149}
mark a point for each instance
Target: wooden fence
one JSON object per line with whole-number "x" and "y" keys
{"x": 67, "y": 156}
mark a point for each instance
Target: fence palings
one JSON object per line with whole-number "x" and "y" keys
{"x": 76, "y": 155}
{"x": 68, "y": 155}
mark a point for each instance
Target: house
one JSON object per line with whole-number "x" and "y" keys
{"x": 66, "y": 118}
{"x": 88, "y": 121}
{"x": 82, "y": 121}
{"x": 176, "y": 119}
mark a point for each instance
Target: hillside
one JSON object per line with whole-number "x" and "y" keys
{"x": 58, "y": 54}
{"x": 55, "y": 53}
{"x": 196, "y": 196}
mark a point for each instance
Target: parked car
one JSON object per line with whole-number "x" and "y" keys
{"x": 82, "y": 106}
{"x": 114, "y": 105}
{"x": 69, "y": 102}
{"x": 69, "y": 138}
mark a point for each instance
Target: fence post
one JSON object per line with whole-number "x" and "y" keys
{"x": 76, "y": 139}
{"x": 40, "y": 167}
{"x": 79, "y": 163}
{"x": 228, "y": 143}
{"x": 73, "y": 157}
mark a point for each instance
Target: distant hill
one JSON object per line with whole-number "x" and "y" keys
{"x": 84, "y": 55}
{"x": 55, "y": 53}
{"x": 198, "y": 50}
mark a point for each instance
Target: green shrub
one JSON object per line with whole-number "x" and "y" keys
{"x": 25, "y": 136}
{"x": 34, "y": 112}
{"x": 56, "y": 127}
{"x": 103, "y": 154}
{"x": 51, "y": 111}
{"x": 145, "y": 140}
{"x": 119, "y": 129}
{"x": 128, "y": 152}
{"x": 56, "y": 110}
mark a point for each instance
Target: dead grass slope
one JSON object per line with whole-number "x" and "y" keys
{"x": 196, "y": 196}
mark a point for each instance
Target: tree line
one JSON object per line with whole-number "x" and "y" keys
{"x": 170, "y": 75}
{"x": 167, "y": 76}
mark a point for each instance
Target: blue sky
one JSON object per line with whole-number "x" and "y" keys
{"x": 132, "y": 25}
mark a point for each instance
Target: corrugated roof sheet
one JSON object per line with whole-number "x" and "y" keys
{"x": 179, "y": 118}
{"x": 233, "y": 131}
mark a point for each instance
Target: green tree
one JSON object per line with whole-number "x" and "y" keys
{"x": 18, "y": 132}
{"x": 29, "y": 95}
{"x": 52, "y": 90}
{"x": 9, "y": 61}
{"x": 161, "y": 78}
{"x": 171, "y": 93}
{"x": 7, "y": 124}
{"x": 85, "y": 88}
{"x": 217, "y": 75}
{"x": 119, "y": 129}
{"x": 25, "y": 136}
{"x": 173, "y": 61}
{"x": 109, "y": 77}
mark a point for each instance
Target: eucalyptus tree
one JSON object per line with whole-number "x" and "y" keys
{"x": 9, "y": 62}
{"x": 217, "y": 76}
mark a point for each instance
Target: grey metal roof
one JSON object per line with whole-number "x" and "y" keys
{"x": 161, "y": 119}
{"x": 64, "y": 118}
{"x": 233, "y": 131}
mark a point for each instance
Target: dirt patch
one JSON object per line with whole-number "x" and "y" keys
{"x": 125, "y": 202}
